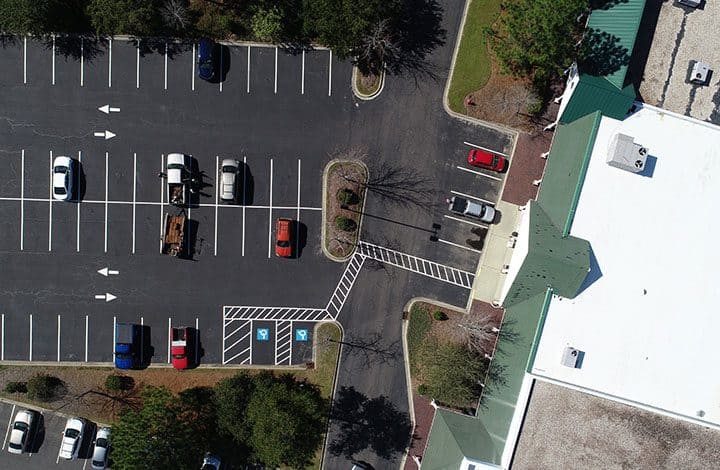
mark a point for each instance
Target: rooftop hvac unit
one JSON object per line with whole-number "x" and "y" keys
{"x": 571, "y": 357}
{"x": 625, "y": 154}
{"x": 699, "y": 73}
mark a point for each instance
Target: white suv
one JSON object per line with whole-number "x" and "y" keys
{"x": 72, "y": 438}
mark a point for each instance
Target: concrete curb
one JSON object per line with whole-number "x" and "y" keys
{"x": 110, "y": 366}
{"x": 323, "y": 230}
{"x": 372, "y": 96}
{"x": 332, "y": 396}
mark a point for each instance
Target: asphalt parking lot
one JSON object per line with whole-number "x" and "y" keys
{"x": 281, "y": 113}
{"x": 45, "y": 448}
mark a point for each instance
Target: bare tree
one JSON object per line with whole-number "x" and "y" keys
{"x": 478, "y": 332}
{"x": 377, "y": 47}
{"x": 174, "y": 14}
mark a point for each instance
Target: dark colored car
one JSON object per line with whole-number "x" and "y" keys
{"x": 206, "y": 59}
{"x": 489, "y": 161}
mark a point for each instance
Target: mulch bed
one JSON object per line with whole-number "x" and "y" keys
{"x": 343, "y": 174}
{"x": 367, "y": 84}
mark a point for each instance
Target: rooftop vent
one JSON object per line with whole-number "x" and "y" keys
{"x": 572, "y": 357}
{"x": 700, "y": 73}
{"x": 625, "y": 154}
{"x": 690, "y": 3}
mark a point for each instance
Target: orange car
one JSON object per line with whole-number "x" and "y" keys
{"x": 283, "y": 237}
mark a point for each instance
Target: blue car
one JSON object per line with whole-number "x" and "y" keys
{"x": 206, "y": 59}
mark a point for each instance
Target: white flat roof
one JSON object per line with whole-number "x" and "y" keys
{"x": 650, "y": 324}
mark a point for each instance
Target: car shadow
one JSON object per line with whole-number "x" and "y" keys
{"x": 224, "y": 60}
{"x": 85, "y": 450}
{"x": 80, "y": 182}
{"x": 38, "y": 434}
{"x": 198, "y": 350}
{"x": 147, "y": 351}
{"x": 191, "y": 240}
{"x": 248, "y": 184}
{"x": 300, "y": 231}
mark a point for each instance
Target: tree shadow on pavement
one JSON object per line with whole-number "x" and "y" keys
{"x": 368, "y": 423}
{"x": 372, "y": 350}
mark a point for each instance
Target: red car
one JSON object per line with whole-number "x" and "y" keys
{"x": 283, "y": 238}
{"x": 180, "y": 347}
{"x": 487, "y": 160}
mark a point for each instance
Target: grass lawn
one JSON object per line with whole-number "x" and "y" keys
{"x": 472, "y": 64}
{"x": 418, "y": 328}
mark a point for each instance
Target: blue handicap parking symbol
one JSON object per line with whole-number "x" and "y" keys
{"x": 301, "y": 334}
{"x": 263, "y": 334}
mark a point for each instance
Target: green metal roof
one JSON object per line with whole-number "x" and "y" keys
{"x": 553, "y": 261}
{"x": 565, "y": 170}
{"x": 597, "y": 94}
{"x": 616, "y": 27}
{"x": 512, "y": 358}
{"x": 454, "y": 436}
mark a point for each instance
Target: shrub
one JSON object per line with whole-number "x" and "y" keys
{"x": 423, "y": 390}
{"x": 43, "y": 387}
{"x": 439, "y": 315}
{"x": 119, "y": 382}
{"x": 16, "y": 387}
{"x": 345, "y": 224}
{"x": 347, "y": 197}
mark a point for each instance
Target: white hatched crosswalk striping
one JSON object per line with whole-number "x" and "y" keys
{"x": 232, "y": 313}
{"x": 237, "y": 342}
{"x": 344, "y": 286}
{"x": 412, "y": 263}
{"x": 283, "y": 343}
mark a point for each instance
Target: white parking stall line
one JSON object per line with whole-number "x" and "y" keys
{"x": 486, "y": 149}
{"x": 474, "y": 224}
{"x": 459, "y": 246}
{"x": 166, "y": 54}
{"x": 457, "y": 193}
{"x": 297, "y": 215}
{"x": 142, "y": 340}
{"x": 25, "y": 60}
{"x": 53, "y": 60}
{"x": 134, "y": 199}
{"x": 193, "y": 68}
{"x": 197, "y": 341}
{"x": 82, "y": 63}
{"x": 248, "y": 69}
{"x": 137, "y": 65}
{"x": 50, "y": 200}
{"x": 106, "y": 201}
{"x": 58, "y": 338}
{"x": 85, "y": 461}
{"x": 7, "y": 431}
{"x": 2, "y": 338}
{"x": 223, "y": 335}
{"x": 169, "y": 331}
{"x": 77, "y": 202}
{"x": 244, "y": 190}
{"x": 302, "y": 77}
{"x": 22, "y": 199}
{"x": 220, "y": 78}
{"x": 478, "y": 173}
{"x": 113, "y": 339}
{"x": 162, "y": 192}
{"x": 217, "y": 189}
{"x": 31, "y": 338}
{"x": 86, "y": 338}
{"x": 276, "y": 58}
{"x": 330, "y": 74}
{"x": 270, "y": 212}
{"x": 109, "y": 62}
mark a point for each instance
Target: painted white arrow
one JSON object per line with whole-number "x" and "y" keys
{"x": 106, "y": 134}
{"x": 106, "y": 271}
{"x": 107, "y": 109}
{"x": 107, "y": 297}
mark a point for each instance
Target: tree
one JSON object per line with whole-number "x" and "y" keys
{"x": 381, "y": 44}
{"x": 537, "y": 39}
{"x": 136, "y": 17}
{"x": 342, "y": 24}
{"x": 451, "y": 372}
{"x": 232, "y": 395}
{"x": 162, "y": 434}
{"x": 175, "y": 15}
{"x": 287, "y": 420}
{"x": 478, "y": 332}
{"x": 44, "y": 387}
{"x": 267, "y": 23}
{"x": 26, "y": 16}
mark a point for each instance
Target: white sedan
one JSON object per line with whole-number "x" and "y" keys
{"x": 62, "y": 178}
{"x": 20, "y": 436}
{"x": 72, "y": 437}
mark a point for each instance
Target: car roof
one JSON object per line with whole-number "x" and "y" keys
{"x": 61, "y": 160}
{"x": 486, "y": 156}
{"x": 229, "y": 161}
{"x": 24, "y": 415}
{"x": 75, "y": 423}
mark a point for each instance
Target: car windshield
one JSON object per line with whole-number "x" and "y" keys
{"x": 206, "y": 65}
{"x": 15, "y": 446}
{"x": 175, "y": 166}
{"x": 283, "y": 244}
{"x": 495, "y": 160}
{"x": 228, "y": 169}
{"x": 72, "y": 433}
{"x": 60, "y": 169}
{"x": 178, "y": 356}
{"x": 101, "y": 442}
{"x": 98, "y": 463}
{"x": 60, "y": 190}
{"x": 20, "y": 426}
